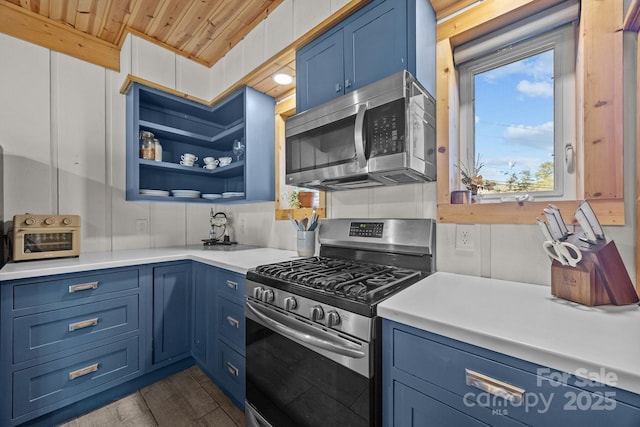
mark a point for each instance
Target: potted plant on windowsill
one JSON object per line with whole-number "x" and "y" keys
{"x": 298, "y": 198}
{"x": 473, "y": 181}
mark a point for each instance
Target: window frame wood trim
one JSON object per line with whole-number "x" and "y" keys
{"x": 598, "y": 105}
{"x": 285, "y": 109}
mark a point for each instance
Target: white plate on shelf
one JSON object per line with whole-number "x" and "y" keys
{"x": 233, "y": 194}
{"x": 186, "y": 193}
{"x": 211, "y": 196}
{"x": 148, "y": 192}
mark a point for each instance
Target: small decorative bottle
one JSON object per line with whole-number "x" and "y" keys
{"x": 147, "y": 146}
{"x": 157, "y": 150}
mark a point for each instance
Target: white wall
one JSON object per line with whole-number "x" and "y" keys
{"x": 62, "y": 128}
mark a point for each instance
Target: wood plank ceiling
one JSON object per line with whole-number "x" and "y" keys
{"x": 202, "y": 30}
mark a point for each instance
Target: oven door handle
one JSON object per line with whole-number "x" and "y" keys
{"x": 303, "y": 333}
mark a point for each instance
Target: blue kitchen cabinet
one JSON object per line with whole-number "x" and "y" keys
{"x": 171, "y": 312}
{"x": 229, "y": 344}
{"x": 218, "y": 334}
{"x": 202, "y": 302}
{"x": 382, "y": 38}
{"x": 320, "y": 71}
{"x": 67, "y": 338}
{"x": 185, "y": 126}
{"x": 431, "y": 380}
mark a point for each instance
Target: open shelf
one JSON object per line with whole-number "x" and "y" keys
{"x": 184, "y": 126}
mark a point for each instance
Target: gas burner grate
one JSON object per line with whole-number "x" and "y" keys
{"x": 353, "y": 280}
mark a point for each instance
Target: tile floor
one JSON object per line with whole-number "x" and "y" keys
{"x": 188, "y": 398}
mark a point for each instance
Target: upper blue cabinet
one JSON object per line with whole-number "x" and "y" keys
{"x": 184, "y": 126}
{"x": 382, "y": 38}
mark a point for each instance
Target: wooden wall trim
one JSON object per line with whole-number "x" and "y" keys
{"x": 447, "y": 113}
{"x": 610, "y": 212}
{"x": 32, "y": 27}
{"x": 26, "y": 25}
{"x": 486, "y": 17}
{"x": 601, "y": 41}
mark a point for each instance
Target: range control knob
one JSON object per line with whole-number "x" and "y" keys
{"x": 267, "y": 296}
{"x": 49, "y": 221}
{"x": 257, "y": 292}
{"x": 30, "y": 220}
{"x": 66, "y": 221}
{"x": 290, "y": 303}
{"x": 316, "y": 313}
{"x": 333, "y": 319}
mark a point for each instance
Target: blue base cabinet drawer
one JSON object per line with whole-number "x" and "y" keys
{"x": 230, "y": 372}
{"x": 490, "y": 387}
{"x": 231, "y": 285}
{"x": 231, "y": 322}
{"x": 52, "y": 331}
{"x": 415, "y": 409}
{"x": 68, "y": 378}
{"x": 72, "y": 287}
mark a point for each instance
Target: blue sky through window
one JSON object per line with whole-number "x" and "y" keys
{"x": 514, "y": 116}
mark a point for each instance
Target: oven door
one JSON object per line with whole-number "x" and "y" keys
{"x": 301, "y": 375}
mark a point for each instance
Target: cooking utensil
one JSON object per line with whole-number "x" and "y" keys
{"x": 294, "y": 222}
{"x": 558, "y": 215}
{"x": 564, "y": 252}
{"x": 545, "y": 229}
{"x": 303, "y": 223}
{"x": 590, "y": 216}
{"x": 557, "y": 227}
{"x": 589, "y": 234}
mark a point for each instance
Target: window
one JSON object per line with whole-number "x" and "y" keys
{"x": 517, "y": 112}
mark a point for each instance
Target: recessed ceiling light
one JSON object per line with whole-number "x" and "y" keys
{"x": 282, "y": 78}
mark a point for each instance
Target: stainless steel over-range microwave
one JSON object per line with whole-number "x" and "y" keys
{"x": 380, "y": 134}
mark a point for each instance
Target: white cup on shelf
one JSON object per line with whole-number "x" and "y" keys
{"x": 224, "y": 161}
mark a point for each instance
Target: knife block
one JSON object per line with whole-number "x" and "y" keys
{"x": 600, "y": 278}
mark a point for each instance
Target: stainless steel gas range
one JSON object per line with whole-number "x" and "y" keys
{"x": 313, "y": 337}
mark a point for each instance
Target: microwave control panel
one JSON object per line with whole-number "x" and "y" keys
{"x": 385, "y": 130}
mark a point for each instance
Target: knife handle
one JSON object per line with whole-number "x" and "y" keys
{"x": 545, "y": 229}
{"x": 586, "y": 226}
{"x": 554, "y": 225}
{"x": 556, "y": 212}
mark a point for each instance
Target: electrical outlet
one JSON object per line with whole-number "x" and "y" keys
{"x": 465, "y": 237}
{"x": 141, "y": 226}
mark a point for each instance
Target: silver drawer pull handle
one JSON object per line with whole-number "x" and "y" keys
{"x": 233, "y": 322}
{"x": 83, "y": 324}
{"x": 83, "y": 371}
{"x": 232, "y": 285}
{"x": 232, "y": 369}
{"x": 83, "y": 287}
{"x": 495, "y": 387}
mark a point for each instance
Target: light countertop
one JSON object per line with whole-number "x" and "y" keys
{"x": 235, "y": 260}
{"x": 527, "y": 322}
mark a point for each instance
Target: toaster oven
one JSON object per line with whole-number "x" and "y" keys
{"x": 44, "y": 237}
